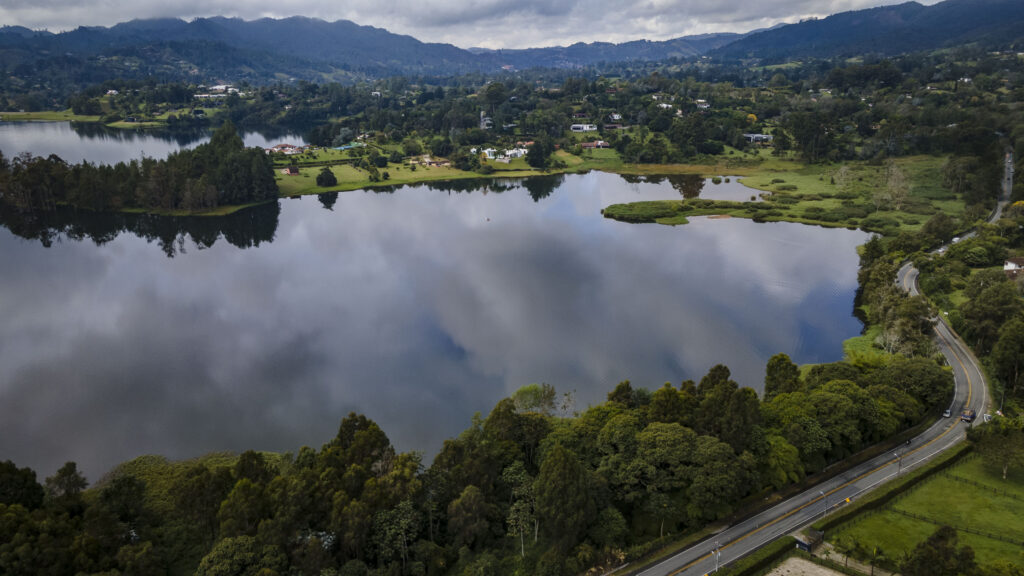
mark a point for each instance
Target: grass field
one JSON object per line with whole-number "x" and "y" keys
{"x": 825, "y": 195}
{"x": 947, "y": 500}
{"x": 47, "y": 116}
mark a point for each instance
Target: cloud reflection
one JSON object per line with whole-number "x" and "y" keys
{"x": 417, "y": 308}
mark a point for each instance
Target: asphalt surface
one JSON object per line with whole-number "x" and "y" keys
{"x": 830, "y": 495}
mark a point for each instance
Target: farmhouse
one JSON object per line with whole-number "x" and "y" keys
{"x": 595, "y": 144}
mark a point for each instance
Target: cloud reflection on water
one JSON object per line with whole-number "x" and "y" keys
{"x": 416, "y": 308}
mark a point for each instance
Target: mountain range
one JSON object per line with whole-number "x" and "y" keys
{"x": 232, "y": 49}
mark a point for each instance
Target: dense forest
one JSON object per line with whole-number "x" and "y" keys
{"x": 220, "y": 172}
{"x": 526, "y": 490}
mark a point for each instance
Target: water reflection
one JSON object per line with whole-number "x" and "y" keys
{"x": 244, "y": 229}
{"x": 75, "y": 142}
{"x": 416, "y": 308}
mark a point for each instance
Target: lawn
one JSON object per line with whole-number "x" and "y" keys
{"x": 825, "y": 195}
{"x": 947, "y": 499}
{"x": 47, "y": 116}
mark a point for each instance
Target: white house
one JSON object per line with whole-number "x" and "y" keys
{"x": 665, "y": 106}
{"x": 490, "y": 152}
{"x": 703, "y": 104}
{"x": 583, "y": 128}
{"x": 515, "y": 153}
{"x": 112, "y": 92}
{"x": 615, "y": 117}
{"x": 1014, "y": 267}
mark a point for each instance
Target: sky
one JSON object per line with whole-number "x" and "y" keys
{"x": 467, "y": 23}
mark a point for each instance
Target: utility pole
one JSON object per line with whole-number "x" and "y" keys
{"x": 825, "y": 498}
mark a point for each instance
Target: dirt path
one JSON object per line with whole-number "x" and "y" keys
{"x": 800, "y": 567}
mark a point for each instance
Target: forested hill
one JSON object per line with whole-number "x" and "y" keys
{"x": 894, "y": 29}
{"x": 297, "y": 45}
{"x": 581, "y": 54}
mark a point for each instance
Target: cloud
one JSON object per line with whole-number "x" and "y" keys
{"x": 486, "y": 23}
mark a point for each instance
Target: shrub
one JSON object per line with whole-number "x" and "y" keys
{"x": 786, "y": 187}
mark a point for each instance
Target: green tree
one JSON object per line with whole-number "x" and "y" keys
{"x": 522, "y": 515}
{"x": 539, "y": 154}
{"x": 667, "y": 405}
{"x": 326, "y": 178}
{"x": 939, "y": 556}
{"x": 782, "y": 376}
{"x": 19, "y": 486}
{"x": 64, "y": 489}
{"x": 1001, "y": 442}
{"x": 467, "y": 518}
{"x": 242, "y": 556}
{"x": 564, "y": 505}
{"x": 782, "y": 464}
{"x": 1008, "y": 354}
{"x": 395, "y": 530}
{"x": 986, "y": 313}
{"x": 243, "y": 509}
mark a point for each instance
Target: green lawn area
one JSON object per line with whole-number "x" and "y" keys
{"x": 946, "y": 500}
{"x": 48, "y": 116}
{"x": 861, "y": 351}
{"x": 825, "y": 195}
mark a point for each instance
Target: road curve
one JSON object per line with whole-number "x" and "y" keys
{"x": 798, "y": 511}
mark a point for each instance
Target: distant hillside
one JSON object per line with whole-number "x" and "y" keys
{"x": 300, "y": 47}
{"x": 888, "y": 30}
{"x": 581, "y": 54}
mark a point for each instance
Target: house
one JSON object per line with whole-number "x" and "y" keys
{"x": 702, "y": 104}
{"x": 665, "y": 106}
{"x": 291, "y": 171}
{"x": 615, "y": 117}
{"x": 490, "y": 153}
{"x": 583, "y": 127}
{"x": 595, "y": 144}
{"x": 758, "y": 138}
{"x": 485, "y": 122}
{"x": 1014, "y": 267}
{"x": 515, "y": 153}
{"x": 112, "y": 92}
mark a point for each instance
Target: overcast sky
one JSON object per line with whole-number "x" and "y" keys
{"x": 466, "y": 23}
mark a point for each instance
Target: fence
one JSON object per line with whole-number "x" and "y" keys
{"x": 992, "y": 489}
{"x": 967, "y": 529}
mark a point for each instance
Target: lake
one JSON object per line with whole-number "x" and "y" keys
{"x": 98, "y": 144}
{"x": 417, "y": 307}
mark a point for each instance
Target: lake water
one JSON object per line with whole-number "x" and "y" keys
{"x": 99, "y": 144}
{"x": 417, "y": 306}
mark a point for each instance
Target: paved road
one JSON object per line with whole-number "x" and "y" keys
{"x": 803, "y": 509}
